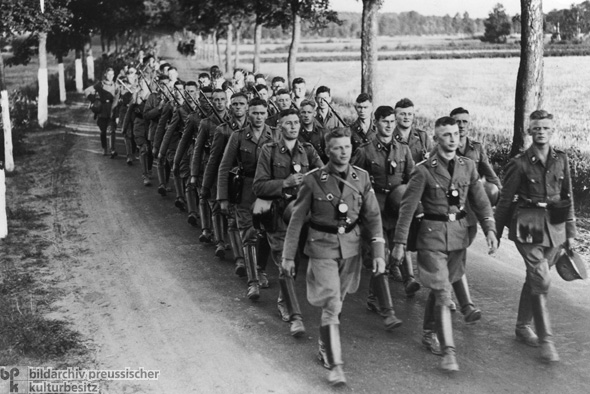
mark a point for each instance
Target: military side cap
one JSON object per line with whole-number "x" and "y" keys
{"x": 570, "y": 266}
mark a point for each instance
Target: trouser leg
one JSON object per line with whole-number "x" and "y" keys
{"x": 191, "y": 203}
{"x": 180, "y": 202}
{"x": 162, "y": 179}
{"x": 129, "y": 150}
{"x": 218, "y": 233}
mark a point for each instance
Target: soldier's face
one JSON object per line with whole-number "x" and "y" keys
{"x": 260, "y": 81}
{"x": 263, "y": 93}
{"x": 192, "y": 91}
{"x": 179, "y": 93}
{"x": 299, "y": 89}
{"x": 323, "y": 99}
{"x": 385, "y": 126}
{"x": 258, "y": 115}
{"x": 447, "y": 137}
{"x": 173, "y": 74}
{"x": 219, "y": 100}
{"x": 276, "y": 86}
{"x": 364, "y": 109}
{"x": 204, "y": 81}
{"x": 307, "y": 113}
{"x": 290, "y": 127}
{"x": 239, "y": 106}
{"x": 541, "y": 130}
{"x": 404, "y": 117}
{"x": 283, "y": 102}
{"x": 339, "y": 150}
{"x": 238, "y": 76}
{"x": 464, "y": 123}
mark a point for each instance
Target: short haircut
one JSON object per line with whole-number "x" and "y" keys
{"x": 363, "y": 97}
{"x": 297, "y": 81}
{"x": 207, "y": 89}
{"x": 163, "y": 77}
{"x": 404, "y": 103}
{"x": 226, "y": 84}
{"x": 383, "y": 112}
{"x": 459, "y": 111}
{"x": 204, "y": 75}
{"x": 179, "y": 82}
{"x": 261, "y": 87}
{"x": 323, "y": 89}
{"x": 216, "y": 90}
{"x": 338, "y": 132}
{"x": 215, "y": 72}
{"x": 259, "y": 76}
{"x": 278, "y": 79}
{"x": 307, "y": 102}
{"x": 445, "y": 121}
{"x": 287, "y": 112}
{"x": 172, "y": 68}
{"x": 239, "y": 94}
{"x": 147, "y": 58}
{"x": 257, "y": 101}
{"x": 192, "y": 83}
{"x": 282, "y": 91}
{"x": 163, "y": 66}
{"x": 540, "y": 114}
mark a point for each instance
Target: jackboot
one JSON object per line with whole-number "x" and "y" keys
{"x": 129, "y": 151}
{"x": 543, "y": 326}
{"x": 381, "y": 287}
{"x": 282, "y": 306}
{"x": 523, "y": 331}
{"x": 411, "y": 286}
{"x": 161, "y": 171}
{"x": 334, "y": 352}
{"x": 287, "y": 284}
{"x": 180, "y": 202}
{"x": 144, "y": 175}
{"x": 238, "y": 251}
{"x": 444, "y": 329}
{"x": 191, "y": 204}
{"x": 429, "y": 336}
{"x": 252, "y": 272}
{"x": 218, "y": 224}
{"x": 470, "y": 312}
{"x": 372, "y": 302}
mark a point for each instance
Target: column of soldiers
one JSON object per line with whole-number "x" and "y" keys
{"x": 285, "y": 178}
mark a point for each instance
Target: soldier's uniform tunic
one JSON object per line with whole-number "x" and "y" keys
{"x": 172, "y": 137}
{"x": 441, "y": 243}
{"x": 358, "y": 135}
{"x": 334, "y": 266}
{"x": 316, "y": 138}
{"x": 151, "y": 114}
{"x": 531, "y": 182}
{"x": 330, "y": 122}
{"x": 418, "y": 141}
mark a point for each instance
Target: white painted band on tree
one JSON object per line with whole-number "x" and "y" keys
{"x": 8, "y": 159}
{"x": 3, "y": 219}
{"x": 79, "y": 81}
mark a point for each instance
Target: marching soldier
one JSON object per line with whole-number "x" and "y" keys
{"x": 129, "y": 86}
{"x": 420, "y": 145}
{"x": 238, "y": 120}
{"x": 151, "y": 114}
{"x": 283, "y": 102}
{"x": 279, "y": 173}
{"x": 134, "y": 121}
{"x": 363, "y": 128}
{"x": 208, "y": 206}
{"x": 443, "y": 183}
{"x": 389, "y": 164}
{"x": 536, "y": 204}
{"x": 167, "y": 111}
{"x": 337, "y": 197}
{"x": 324, "y": 114}
{"x": 298, "y": 90}
{"x": 311, "y": 130}
{"x": 277, "y": 83}
{"x": 243, "y": 150}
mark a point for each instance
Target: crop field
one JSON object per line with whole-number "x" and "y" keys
{"x": 484, "y": 86}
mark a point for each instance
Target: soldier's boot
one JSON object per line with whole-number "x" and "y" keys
{"x": 113, "y": 139}
{"x": 180, "y": 202}
{"x": 323, "y": 347}
{"x": 394, "y": 271}
{"x": 429, "y": 336}
{"x": 191, "y": 203}
{"x": 129, "y": 151}
{"x": 282, "y": 306}
{"x": 330, "y": 336}
{"x": 161, "y": 170}
{"x": 143, "y": 162}
{"x": 407, "y": 271}
{"x": 470, "y": 312}
{"x": 287, "y": 284}
{"x": 252, "y": 272}
{"x": 237, "y": 250}
{"x": 206, "y": 222}
{"x": 543, "y": 327}
{"x": 524, "y": 332}
{"x": 381, "y": 287}
{"x": 372, "y": 303}
{"x": 444, "y": 330}
{"x": 263, "y": 253}
{"x": 218, "y": 233}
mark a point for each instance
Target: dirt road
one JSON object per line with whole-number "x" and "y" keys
{"x": 148, "y": 294}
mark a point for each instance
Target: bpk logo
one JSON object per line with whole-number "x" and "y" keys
{"x": 13, "y": 380}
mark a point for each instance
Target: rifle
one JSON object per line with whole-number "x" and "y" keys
{"x": 140, "y": 73}
{"x": 314, "y": 89}
{"x": 269, "y": 100}
{"x": 212, "y": 107}
{"x": 172, "y": 94}
{"x": 335, "y": 113}
{"x": 203, "y": 114}
{"x": 119, "y": 80}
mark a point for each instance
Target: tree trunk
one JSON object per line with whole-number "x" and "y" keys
{"x": 237, "y": 47}
{"x": 217, "y": 48}
{"x": 369, "y": 54}
{"x": 295, "y": 38}
{"x": 228, "y": 57}
{"x": 6, "y": 123}
{"x": 103, "y": 43}
{"x": 257, "y": 42}
{"x": 89, "y": 60}
{"x": 43, "y": 84}
{"x": 79, "y": 71}
{"x": 61, "y": 76}
{"x": 529, "y": 82}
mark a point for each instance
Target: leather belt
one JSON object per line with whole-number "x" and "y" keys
{"x": 451, "y": 217}
{"x": 381, "y": 190}
{"x": 332, "y": 229}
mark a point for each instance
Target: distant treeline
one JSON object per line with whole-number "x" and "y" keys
{"x": 390, "y": 24}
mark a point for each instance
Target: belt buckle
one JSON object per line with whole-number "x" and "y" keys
{"x": 341, "y": 229}
{"x": 452, "y": 217}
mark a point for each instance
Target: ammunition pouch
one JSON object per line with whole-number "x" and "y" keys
{"x": 530, "y": 224}
{"x": 558, "y": 211}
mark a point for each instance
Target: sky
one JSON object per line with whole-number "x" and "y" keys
{"x": 476, "y": 8}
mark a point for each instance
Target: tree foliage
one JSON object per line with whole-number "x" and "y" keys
{"x": 497, "y": 26}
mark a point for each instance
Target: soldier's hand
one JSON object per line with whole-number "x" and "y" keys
{"x": 224, "y": 206}
{"x": 288, "y": 267}
{"x": 205, "y": 193}
{"x": 398, "y": 254}
{"x": 492, "y": 242}
{"x": 378, "y": 266}
{"x": 571, "y": 244}
{"x": 293, "y": 180}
